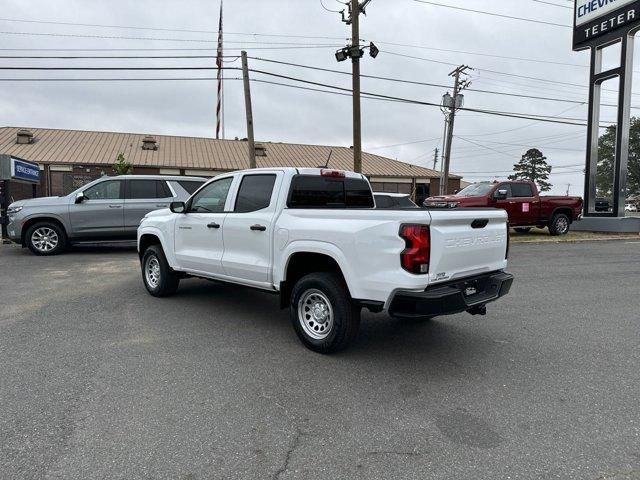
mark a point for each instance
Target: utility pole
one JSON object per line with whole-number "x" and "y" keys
{"x": 435, "y": 159}
{"x": 355, "y": 52}
{"x": 247, "y": 103}
{"x": 357, "y": 120}
{"x": 452, "y": 104}
{"x": 568, "y": 188}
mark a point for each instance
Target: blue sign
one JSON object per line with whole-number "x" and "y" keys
{"x": 25, "y": 171}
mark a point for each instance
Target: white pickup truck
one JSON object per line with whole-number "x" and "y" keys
{"x": 314, "y": 237}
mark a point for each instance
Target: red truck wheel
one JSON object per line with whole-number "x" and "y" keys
{"x": 559, "y": 225}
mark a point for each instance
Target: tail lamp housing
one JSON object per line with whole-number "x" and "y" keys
{"x": 417, "y": 254}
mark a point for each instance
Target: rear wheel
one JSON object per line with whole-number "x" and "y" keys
{"x": 46, "y": 238}
{"x": 158, "y": 277}
{"x": 523, "y": 229}
{"x": 559, "y": 225}
{"x": 322, "y": 313}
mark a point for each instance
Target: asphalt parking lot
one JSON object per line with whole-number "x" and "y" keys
{"x": 100, "y": 380}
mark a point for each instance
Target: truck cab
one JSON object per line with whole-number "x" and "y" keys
{"x": 525, "y": 207}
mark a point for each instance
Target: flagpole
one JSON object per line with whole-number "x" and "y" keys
{"x": 222, "y": 36}
{"x": 220, "y": 89}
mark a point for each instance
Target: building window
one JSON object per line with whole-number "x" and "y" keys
{"x": 404, "y": 188}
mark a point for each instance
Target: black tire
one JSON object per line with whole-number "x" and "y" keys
{"x": 559, "y": 225}
{"x": 523, "y": 229}
{"x": 158, "y": 277}
{"x": 46, "y": 238}
{"x": 330, "y": 294}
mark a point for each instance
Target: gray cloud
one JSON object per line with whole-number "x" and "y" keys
{"x": 283, "y": 114}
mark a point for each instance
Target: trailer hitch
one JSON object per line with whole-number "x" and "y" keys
{"x": 478, "y": 310}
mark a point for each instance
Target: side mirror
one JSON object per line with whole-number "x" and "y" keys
{"x": 178, "y": 207}
{"x": 500, "y": 194}
{"x": 80, "y": 198}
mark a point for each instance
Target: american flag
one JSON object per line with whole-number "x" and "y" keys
{"x": 219, "y": 112}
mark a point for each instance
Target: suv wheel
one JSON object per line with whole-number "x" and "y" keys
{"x": 559, "y": 225}
{"x": 322, "y": 313}
{"x": 46, "y": 238}
{"x": 158, "y": 277}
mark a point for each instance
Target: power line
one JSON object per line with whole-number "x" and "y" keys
{"x": 121, "y": 37}
{"x": 160, "y": 29}
{"x": 404, "y": 144}
{"x": 412, "y": 82}
{"x": 494, "y": 14}
{"x": 538, "y": 79}
{"x": 553, "y": 4}
{"x": 527, "y": 116}
{"x": 300, "y": 47}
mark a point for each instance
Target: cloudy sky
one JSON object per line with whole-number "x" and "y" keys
{"x": 418, "y": 41}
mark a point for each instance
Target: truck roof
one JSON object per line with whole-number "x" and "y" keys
{"x": 302, "y": 171}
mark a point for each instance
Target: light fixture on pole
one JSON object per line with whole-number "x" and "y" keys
{"x": 355, "y": 52}
{"x": 373, "y": 50}
{"x": 342, "y": 54}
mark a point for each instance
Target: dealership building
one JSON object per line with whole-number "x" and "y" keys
{"x": 69, "y": 159}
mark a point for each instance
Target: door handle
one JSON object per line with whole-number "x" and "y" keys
{"x": 162, "y": 206}
{"x": 115, "y": 206}
{"x": 259, "y": 228}
{"x": 213, "y": 225}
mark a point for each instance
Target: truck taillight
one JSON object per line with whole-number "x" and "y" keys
{"x": 415, "y": 258}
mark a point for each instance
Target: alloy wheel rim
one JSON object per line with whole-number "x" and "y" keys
{"x": 44, "y": 239}
{"x": 315, "y": 314}
{"x": 152, "y": 271}
{"x": 563, "y": 225}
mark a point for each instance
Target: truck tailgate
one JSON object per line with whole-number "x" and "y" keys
{"x": 467, "y": 242}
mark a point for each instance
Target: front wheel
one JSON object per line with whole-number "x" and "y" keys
{"x": 322, "y": 313}
{"x": 559, "y": 225}
{"x": 46, "y": 238}
{"x": 158, "y": 277}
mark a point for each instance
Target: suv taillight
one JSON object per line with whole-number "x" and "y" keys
{"x": 415, "y": 258}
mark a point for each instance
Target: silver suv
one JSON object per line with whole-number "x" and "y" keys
{"x": 109, "y": 208}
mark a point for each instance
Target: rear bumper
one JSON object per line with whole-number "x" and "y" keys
{"x": 452, "y": 297}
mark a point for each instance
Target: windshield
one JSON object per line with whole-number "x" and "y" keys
{"x": 475, "y": 190}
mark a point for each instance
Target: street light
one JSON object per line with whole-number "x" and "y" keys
{"x": 342, "y": 54}
{"x": 373, "y": 50}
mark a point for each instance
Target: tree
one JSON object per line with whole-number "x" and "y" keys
{"x": 122, "y": 167}
{"x": 606, "y": 160}
{"x": 533, "y": 166}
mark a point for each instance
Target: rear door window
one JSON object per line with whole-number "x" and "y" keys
{"x": 506, "y": 187}
{"x": 148, "y": 189}
{"x": 521, "y": 190}
{"x": 313, "y": 191}
{"x": 254, "y": 193}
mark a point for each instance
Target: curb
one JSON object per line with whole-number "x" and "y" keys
{"x": 580, "y": 240}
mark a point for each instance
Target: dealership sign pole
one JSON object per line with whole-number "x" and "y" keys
{"x": 599, "y": 24}
{"x": 14, "y": 169}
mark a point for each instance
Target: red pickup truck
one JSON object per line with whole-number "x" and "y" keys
{"x": 520, "y": 198}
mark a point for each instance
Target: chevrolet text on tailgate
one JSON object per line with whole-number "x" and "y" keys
{"x": 314, "y": 237}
